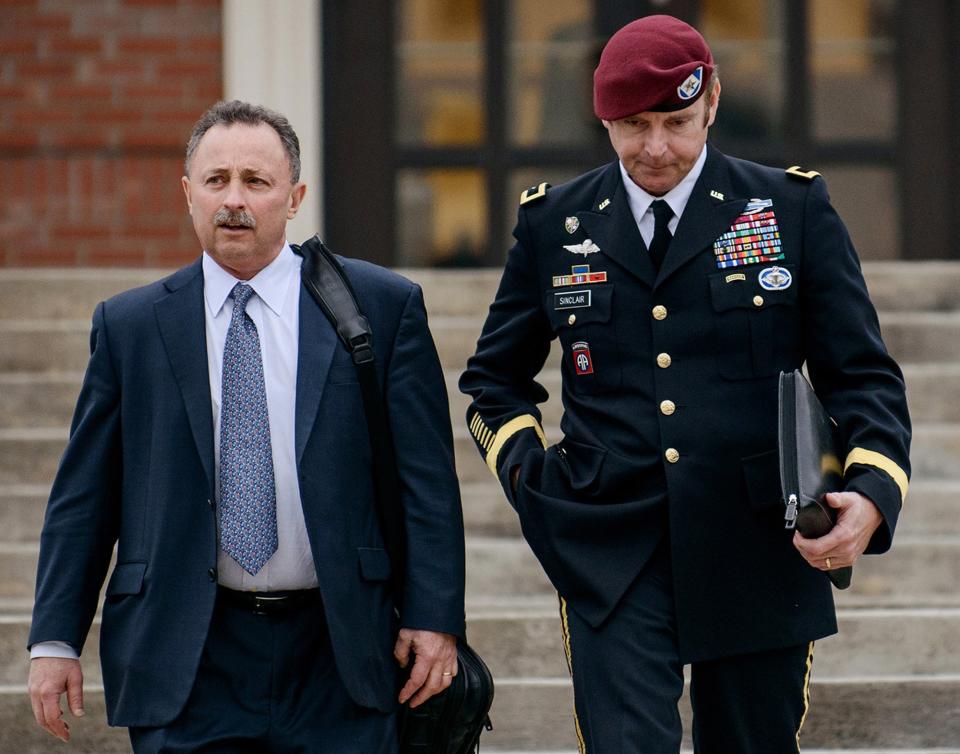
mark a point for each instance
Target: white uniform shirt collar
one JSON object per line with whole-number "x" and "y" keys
{"x": 271, "y": 284}
{"x": 677, "y": 197}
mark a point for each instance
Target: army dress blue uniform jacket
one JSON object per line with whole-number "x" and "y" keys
{"x": 669, "y": 389}
{"x": 138, "y": 471}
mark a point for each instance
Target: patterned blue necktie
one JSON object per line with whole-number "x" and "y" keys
{"x": 248, "y": 502}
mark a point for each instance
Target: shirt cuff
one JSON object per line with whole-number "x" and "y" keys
{"x": 53, "y": 649}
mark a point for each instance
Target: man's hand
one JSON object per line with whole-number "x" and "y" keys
{"x": 857, "y": 520}
{"x": 49, "y": 678}
{"x": 434, "y": 666}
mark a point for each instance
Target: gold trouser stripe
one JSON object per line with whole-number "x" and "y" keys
{"x": 507, "y": 431}
{"x": 873, "y": 458}
{"x": 806, "y": 692}
{"x": 565, "y": 630}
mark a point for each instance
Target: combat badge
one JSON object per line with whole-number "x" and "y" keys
{"x": 582, "y": 361}
{"x": 585, "y": 248}
{"x": 775, "y": 278}
{"x": 571, "y": 224}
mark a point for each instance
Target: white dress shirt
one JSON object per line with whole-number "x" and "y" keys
{"x": 677, "y": 198}
{"x": 275, "y": 310}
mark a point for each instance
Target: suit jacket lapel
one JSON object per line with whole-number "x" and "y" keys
{"x": 317, "y": 342}
{"x": 710, "y": 211}
{"x": 182, "y": 328}
{"x": 614, "y": 229}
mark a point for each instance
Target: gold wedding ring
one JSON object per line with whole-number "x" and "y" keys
{"x": 829, "y": 567}
{"x": 447, "y": 673}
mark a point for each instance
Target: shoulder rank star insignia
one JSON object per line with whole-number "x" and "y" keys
{"x": 587, "y": 247}
{"x": 571, "y": 224}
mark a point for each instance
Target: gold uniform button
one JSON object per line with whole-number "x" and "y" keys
{"x": 659, "y": 312}
{"x": 667, "y": 407}
{"x": 758, "y": 300}
{"x": 571, "y": 319}
{"x": 664, "y": 360}
{"x": 672, "y": 455}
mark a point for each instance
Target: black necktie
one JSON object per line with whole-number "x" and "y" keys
{"x": 661, "y": 232}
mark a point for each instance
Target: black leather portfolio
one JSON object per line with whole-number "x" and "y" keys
{"x": 810, "y": 463}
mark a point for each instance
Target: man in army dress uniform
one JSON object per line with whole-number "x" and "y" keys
{"x": 680, "y": 283}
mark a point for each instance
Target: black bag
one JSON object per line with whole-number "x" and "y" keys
{"x": 810, "y": 465}
{"x": 449, "y": 722}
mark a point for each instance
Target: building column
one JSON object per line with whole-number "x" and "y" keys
{"x": 271, "y": 57}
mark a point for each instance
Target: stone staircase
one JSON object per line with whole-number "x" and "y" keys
{"x": 890, "y": 682}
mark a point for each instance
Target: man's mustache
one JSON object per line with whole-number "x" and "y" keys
{"x": 242, "y": 219}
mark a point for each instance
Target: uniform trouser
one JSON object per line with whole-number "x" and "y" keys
{"x": 628, "y": 679}
{"x": 267, "y": 684}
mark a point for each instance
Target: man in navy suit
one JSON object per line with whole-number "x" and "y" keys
{"x": 219, "y": 442}
{"x": 680, "y": 282}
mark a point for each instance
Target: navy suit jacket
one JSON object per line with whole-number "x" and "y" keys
{"x": 138, "y": 472}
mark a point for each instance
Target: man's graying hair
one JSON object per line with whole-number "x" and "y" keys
{"x": 236, "y": 111}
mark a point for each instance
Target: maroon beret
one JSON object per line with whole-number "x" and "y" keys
{"x": 655, "y": 63}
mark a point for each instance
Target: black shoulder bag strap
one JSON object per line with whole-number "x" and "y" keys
{"x": 450, "y": 722}
{"x": 327, "y": 283}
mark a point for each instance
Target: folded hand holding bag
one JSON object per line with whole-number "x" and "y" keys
{"x": 810, "y": 463}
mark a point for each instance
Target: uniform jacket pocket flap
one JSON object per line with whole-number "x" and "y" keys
{"x": 374, "y": 563}
{"x": 127, "y": 578}
{"x": 582, "y": 304}
{"x": 742, "y": 290}
{"x": 762, "y": 474}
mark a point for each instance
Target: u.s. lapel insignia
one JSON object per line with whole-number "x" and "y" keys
{"x": 585, "y": 248}
{"x": 571, "y": 224}
{"x": 603, "y": 205}
{"x": 716, "y": 195}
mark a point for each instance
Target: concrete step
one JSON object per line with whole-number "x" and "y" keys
{"x": 917, "y": 572}
{"x": 73, "y": 293}
{"x": 859, "y": 714}
{"x": 933, "y": 507}
{"x": 862, "y": 714}
{"x": 935, "y": 452}
{"x": 62, "y": 345}
{"x": 921, "y": 571}
{"x": 30, "y": 455}
{"x": 872, "y": 642}
{"x": 47, "y": 399}
{"x": 526, "y": 643}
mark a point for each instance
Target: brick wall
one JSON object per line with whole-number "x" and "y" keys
{"x": 98, "y": 98}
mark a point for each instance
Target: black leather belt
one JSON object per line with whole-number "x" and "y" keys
{"x": 269, "y": 603}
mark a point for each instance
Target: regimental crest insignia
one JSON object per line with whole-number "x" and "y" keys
{"x": 585, "y": 248}
{"x": 691, "y": 86}
{"x": 775, "y": 278}
{"x": 571, "y": 224}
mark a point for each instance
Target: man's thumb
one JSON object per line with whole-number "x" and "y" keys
{"x": 75, "y": 693}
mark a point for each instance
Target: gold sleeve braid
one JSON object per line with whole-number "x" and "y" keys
{"x": 493, "y": 442}
{"x": 880, "y": 461}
